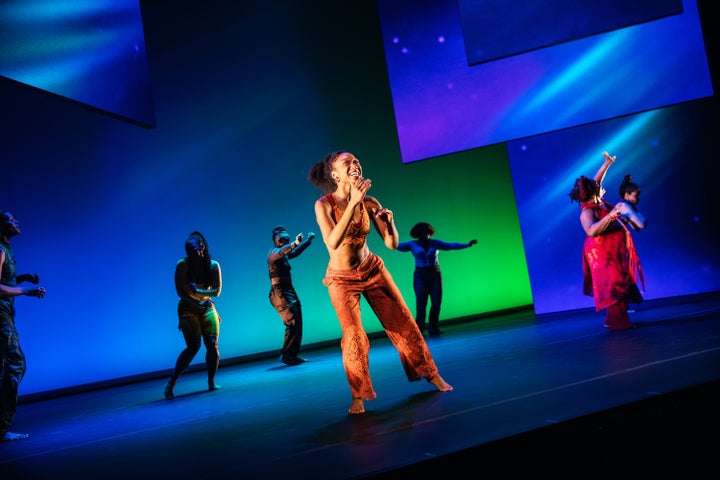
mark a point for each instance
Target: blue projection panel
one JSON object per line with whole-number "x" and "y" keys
{"x": 442, "y": 105}
{"x": 90, "y": 51}
{"x": 494, "y": 29}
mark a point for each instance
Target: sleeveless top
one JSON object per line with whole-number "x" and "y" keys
{"x": 356, "y": 232}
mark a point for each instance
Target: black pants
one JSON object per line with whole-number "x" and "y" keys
{"x": 285, "y": 300}
{"x": 12, "y": 369}
{"x": 427, "y": 283}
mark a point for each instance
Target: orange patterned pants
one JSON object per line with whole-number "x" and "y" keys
{"x": 374, "y": 282}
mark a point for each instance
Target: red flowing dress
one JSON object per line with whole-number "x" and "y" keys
{"x": 611, "y": 269}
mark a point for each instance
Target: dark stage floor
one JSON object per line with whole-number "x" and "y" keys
{"x": 534, "y": 395}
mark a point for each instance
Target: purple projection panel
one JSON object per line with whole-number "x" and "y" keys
{"x": 443, "y": 106}
{"x": 495, "y": 29}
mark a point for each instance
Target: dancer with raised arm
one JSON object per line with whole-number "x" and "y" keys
{"x": 611, "y": 266}
{"x": 427, "y": 278}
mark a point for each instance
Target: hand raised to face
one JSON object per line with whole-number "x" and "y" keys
{"x": 359, "y": 189}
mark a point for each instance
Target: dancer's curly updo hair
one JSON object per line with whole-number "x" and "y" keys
{"x": 584, "y": 189}
{"x": 320, "y": 173}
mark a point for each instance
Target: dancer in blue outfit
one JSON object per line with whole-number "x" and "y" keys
{"x": 427, "y": 279}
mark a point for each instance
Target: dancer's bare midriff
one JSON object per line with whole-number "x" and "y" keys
{"x": 348, "y": 256}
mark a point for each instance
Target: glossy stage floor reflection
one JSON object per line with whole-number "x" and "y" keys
{"x": 555, "y": 394}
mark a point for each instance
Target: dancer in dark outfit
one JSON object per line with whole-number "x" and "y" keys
{"x": 12, "y": 358}
{"x": 283, "y": 296}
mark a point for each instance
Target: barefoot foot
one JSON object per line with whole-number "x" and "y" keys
{"x": 357, "y": 406}
{"x": 11, "y": 437}
{"x": 441, "y": 384}
{"x": 214, "y": 386}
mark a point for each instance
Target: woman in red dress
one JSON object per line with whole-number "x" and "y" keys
{"x": 611, "y": 266}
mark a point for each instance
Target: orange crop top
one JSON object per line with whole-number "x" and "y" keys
{"x": 356, "y": 232}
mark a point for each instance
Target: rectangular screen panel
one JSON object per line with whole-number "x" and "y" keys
{"x": 495, "y": 29}
{"x": 442, "y": 105}
{"x": 92, "y": 52}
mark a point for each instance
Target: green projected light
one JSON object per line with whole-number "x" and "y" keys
{"x": 470, "y": 197}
